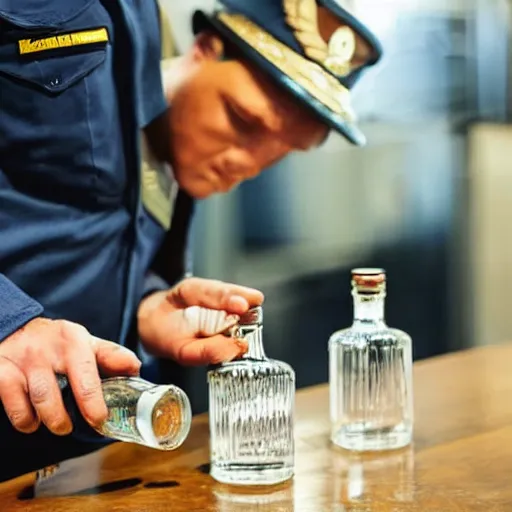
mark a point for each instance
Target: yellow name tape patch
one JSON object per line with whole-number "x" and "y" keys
{"x": 85, "y": 37}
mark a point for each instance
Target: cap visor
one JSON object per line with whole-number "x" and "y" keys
{"x": 350, "y": 131}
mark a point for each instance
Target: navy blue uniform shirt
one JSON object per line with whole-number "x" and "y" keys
{"x": 80, "y": 237}
{"x": 79, "y": 80}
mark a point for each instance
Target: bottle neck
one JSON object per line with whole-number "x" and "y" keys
{"x": 369, "y": 309}
{"x": 254, "y": 337}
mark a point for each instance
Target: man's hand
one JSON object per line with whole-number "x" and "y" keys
{"x": 29, "y": 360}
{"x": 165, "y": 331}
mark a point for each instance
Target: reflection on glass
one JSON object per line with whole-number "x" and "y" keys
{"x": 362, "y": 480}
{"x": 251, "y": 499}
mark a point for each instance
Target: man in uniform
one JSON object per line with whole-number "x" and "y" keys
{"x": 92, "y": 243}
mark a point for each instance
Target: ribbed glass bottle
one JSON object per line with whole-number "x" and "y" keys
{"x": 251, "y": 414}
{"x": 370, "y": 374}
{"x": 157, "y": 416}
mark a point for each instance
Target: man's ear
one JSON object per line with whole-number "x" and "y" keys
{"x": 207, "y": 46}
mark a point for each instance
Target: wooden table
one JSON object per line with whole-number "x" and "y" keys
{"x": 461, "y": 459}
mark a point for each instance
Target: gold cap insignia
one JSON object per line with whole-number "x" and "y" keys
{"x": 336, "y": 55}
{"x": 312, "y": 77}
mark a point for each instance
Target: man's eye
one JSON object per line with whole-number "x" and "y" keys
{"x": 238, "y": 120}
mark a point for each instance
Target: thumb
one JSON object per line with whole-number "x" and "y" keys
{"x": 114, "y": 359}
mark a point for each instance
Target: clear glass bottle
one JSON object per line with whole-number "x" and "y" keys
{"x": 370, "y": 374}
{"x": 251, "y": 414}
{"x": 157, "y": 416}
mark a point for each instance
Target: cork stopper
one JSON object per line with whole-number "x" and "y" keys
{"x": 369, "y": 280}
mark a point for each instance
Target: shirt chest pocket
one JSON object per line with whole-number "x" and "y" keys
{"x": 59, "y": 117}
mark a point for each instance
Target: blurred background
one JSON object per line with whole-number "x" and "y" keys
{"x": 429, "y": 198}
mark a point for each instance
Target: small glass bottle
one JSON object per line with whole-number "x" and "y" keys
{"x": 370, "y": 374}
{"x": 157, "y": 416}
{"x": 251, "y": 412}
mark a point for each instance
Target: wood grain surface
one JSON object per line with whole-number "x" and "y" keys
{"x": 461, "y": 459}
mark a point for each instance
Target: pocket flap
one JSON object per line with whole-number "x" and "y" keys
{"x": 56, "y": 74}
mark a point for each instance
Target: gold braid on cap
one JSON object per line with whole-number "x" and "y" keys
{"x": 336, "y": 56}
{"x": 308, "y": 74}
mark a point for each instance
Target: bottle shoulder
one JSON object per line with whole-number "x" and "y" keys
{"x": 356, "y": 335}
{"x": 252, "y": 367}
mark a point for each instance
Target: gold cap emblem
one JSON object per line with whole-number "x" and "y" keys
{"x": 337, "y": 54}
{"x": 342, "y": 47}
{"x": 320, "y": 84}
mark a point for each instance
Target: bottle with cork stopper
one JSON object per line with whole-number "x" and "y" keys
{"x": 370, "y": 373}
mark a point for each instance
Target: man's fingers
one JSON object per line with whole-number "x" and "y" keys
{"x": 46, "y": 397}
{"x": 213, "y": 294}
{"x": 28, "y": 367}
{"x": 84, "y": 379}
{"x": 114, "y": 359}
{"x": 214, "y": 350}
{"x": 13, "y": 395}
{"x": 83, "y": 361}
